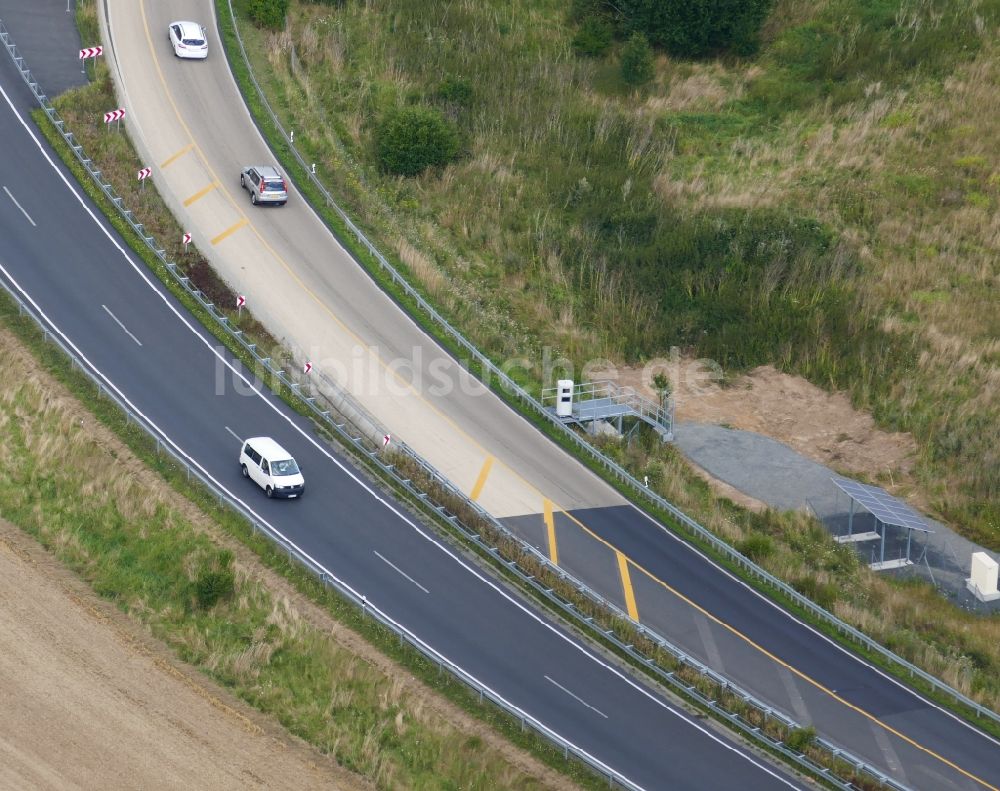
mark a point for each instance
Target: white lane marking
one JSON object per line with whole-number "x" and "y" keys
{"x": 119, "y": 322}
{"x": 238, "y": 439}
{"x": 11, "y": 196}
{"x": 576, "y": 697}
{"x": 397, "y": 568}
{"x": 214, "y": 349}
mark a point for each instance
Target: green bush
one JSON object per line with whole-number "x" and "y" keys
{"x": 215, "y": 582}
{"x": 697, "y": 28}
{"x": 455, "y": 91}
{"x": 412, "y": 139}
{"x": 800, "y": 738}
{"x": 268, "y": 13}
{"x": 594, "y": 37}
{"x": 756, "y": 547}
{"x": 637, "y": 60}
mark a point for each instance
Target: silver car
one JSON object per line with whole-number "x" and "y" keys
{"x": 265, "y": 184}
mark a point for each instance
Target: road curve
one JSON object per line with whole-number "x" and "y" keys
{"x": 63, "y": 258}
{"x": 197, "y": 116}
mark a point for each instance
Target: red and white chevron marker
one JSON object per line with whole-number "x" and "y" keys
{"x": 241, "y": 301}
{"x": 307, "y": 368}
{"x": 386, "y": 438}
{"x": 91, "y": 52}
{"x": 114, "y": 115}
{"x": 145, "y": 173}
{"x": 186, "y": 238}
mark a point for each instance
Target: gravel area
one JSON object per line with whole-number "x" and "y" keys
{"x": 773, "y": 473}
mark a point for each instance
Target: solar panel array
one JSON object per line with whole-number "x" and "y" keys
{"x": 882, "y": 505}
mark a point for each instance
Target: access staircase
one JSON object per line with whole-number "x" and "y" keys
{"x": 606, "y": 401}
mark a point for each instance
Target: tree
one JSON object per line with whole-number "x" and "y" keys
{"x": 594, "y": 36}
{"x": 268, "y": 13}
{"x": 637, "y": 60}
{"x": 661, "y": 383}
{"x": 697, "y": 28}
{"x": 412, "y": 139}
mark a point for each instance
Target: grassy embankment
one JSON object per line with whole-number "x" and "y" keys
{"x": 828, "y": 206}
{"x": 85, "y": 496}
{"x": 732, "y": 150}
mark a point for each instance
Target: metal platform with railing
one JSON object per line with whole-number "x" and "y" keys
{"x": 605, "y": 401}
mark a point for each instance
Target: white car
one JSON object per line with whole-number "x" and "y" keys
{"x": 271, "y": 467}
{"x": 188, "y": 40}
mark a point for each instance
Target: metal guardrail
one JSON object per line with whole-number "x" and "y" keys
{"x": 342, "y": 431}
{"x": 614, "y": 469}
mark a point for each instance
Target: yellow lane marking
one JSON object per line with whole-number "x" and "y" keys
{"x": 633, "y": 611}
{"x": 550, "y": 523}
{"x": 170, "y": 160}
{"x": 484, "y": 473}
{"x": 450, "y": 421}
{"x": 201, "y": 193}
{"x": 778, "y": 660}
{"x": 230, "y": 230}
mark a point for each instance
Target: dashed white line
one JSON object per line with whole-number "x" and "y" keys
{"x": 238, "y": 437}
{"x": 118, "y": 321}
{"x": 397, "y": 568}
{"x": 11, "y": 196}
{"x": 576, "y": 697}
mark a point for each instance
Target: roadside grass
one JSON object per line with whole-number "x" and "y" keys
{"x": 829, "y": 207}
{"x": 121, "y": 527}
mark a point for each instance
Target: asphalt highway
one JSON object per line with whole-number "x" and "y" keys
{"x": 59, "y": 254}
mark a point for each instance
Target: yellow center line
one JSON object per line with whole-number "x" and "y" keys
{"x": 550, "y": 523}
{"x": 782, "y": 662}
{"x": 633, "y": 611}
{"x": 170, "y": 160}
{"x": 484, "y": 473}
{"x": 230, "y": 230}
{"x": 462, "y": 432}
{"x": 201, "y": 193}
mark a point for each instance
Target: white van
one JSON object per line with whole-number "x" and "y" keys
{"x": 271, "y": 467}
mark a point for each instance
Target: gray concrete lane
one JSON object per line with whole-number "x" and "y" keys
{"x": 79, "y": 279}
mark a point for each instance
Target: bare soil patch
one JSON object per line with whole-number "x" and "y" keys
{"x": 91, "y": 701}
{"x": 818, "y": 424}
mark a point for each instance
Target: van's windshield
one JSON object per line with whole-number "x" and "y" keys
{"x": 285, "y": 467}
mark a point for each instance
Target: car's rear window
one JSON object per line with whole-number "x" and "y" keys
{"x": 195, "y": 42}
{"x": 274, "y": 184}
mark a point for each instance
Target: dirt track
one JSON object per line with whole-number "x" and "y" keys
{"x": 89, "y": 701}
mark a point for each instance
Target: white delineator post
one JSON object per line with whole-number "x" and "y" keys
{"x": 983, "y": 577}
